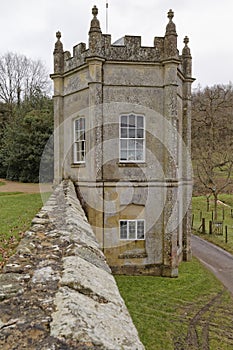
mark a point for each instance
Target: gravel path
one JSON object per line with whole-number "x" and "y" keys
{"x": 215, "y": 259}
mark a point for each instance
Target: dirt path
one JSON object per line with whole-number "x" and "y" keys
{"x": 13, "y": 186}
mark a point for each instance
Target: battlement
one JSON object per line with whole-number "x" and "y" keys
{"x": 127, "y": 48}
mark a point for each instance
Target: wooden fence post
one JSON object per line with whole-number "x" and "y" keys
{"x": 203, "y": 225}
{"x": 226, "y": 235}
{"x": 210, "y": 227}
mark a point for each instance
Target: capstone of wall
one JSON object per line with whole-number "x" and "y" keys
{"x": 57, "y": 292}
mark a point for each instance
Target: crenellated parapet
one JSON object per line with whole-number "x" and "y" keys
{"x": 128, "y": 48}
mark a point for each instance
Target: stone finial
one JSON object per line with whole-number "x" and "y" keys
{"x": 171, "y": 27}
{"x": 95, "y": 24}
{"x": 186, "y": 49}
{"x": 170, "y": 40}
{"x": 58, "y": 44}
{"x": 58, "y": 54}
{"x": 95, "y": 11}
{"x": 186, "y": 58}
{"x": 58, "y": 35}
{"x": 170, "y": 14}
{"x": 186, "y": 41}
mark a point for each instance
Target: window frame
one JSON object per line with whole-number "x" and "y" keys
{"x": 132, "y": 139}
{"x": 79, "y": 141}
{"x": 135, "y": 238}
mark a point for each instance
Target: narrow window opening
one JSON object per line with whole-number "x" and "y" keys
{"x": 79, "y": 153}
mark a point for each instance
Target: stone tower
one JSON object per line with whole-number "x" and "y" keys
{"x": 122, "y": 116}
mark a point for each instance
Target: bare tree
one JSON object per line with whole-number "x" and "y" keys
{"x": 212, "y": 138}
{"x": 20, "y": 77}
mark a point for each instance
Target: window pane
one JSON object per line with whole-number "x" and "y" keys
{"x": 132, "y": 121}
{"x": 78, "y": 146}
{"x": 123, "y": 229}
{"x": 82, "y": 156}
{"x": 123, "y": 155}
{"x": 124, "y": 133}
{"x": 76, "y": 135}
{"x": 132, "y": 229}
{"x": 82, "y": 135}
{"x": 140, "y": 229}
{"x": 124, "y": 121}
{"x": 140, "y": 133}
{"x": 131, "y": 145}
{"x": 132, "y": 133}
{"x": 140, "y": 122}
{"x": 124, "y": 144}
{"x": 131, "y": 155}
{"x": 139, "y": 144}
{"x": 139, "y": 155}
{"x": 77, "y": 124}
{"x": 82, "y": 123}
{"x": 139, "y": 150}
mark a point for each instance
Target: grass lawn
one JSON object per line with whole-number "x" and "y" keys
{"x": 224, "y": 214}
{"x": 166, "y": 311}
{"x": 16, "y": 213}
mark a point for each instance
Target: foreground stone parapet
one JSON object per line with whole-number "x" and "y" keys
{"x": 57, "y": 292}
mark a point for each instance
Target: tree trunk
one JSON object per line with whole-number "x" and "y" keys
{"x": 208, "y": 203}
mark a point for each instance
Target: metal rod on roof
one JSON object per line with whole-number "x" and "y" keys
{"x": 106, "y": 16}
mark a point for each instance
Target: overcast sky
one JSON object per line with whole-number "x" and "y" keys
{"x": 29, "y": 27}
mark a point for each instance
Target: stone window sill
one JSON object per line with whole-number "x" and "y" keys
{"x": 78, "y": 165}
{"x": 132, "y": 165}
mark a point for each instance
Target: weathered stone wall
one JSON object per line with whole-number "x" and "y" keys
{"x": 57, "y": 292}
{"x": 101, "y": 83}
